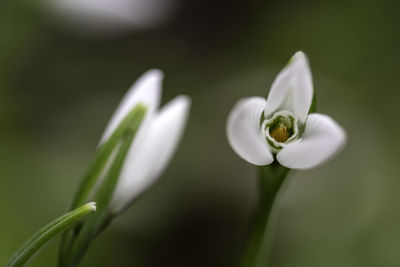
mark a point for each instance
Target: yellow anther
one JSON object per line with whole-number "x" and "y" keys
{"x": 280, "y": 133}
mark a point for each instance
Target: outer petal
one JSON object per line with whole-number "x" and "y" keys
{"x": 243, "y": 130}
{"x": 151, "y": 151}
{"x": 292, "y": 89}
{"x": 146, "y": 90}
{"x": 322, "y": 139}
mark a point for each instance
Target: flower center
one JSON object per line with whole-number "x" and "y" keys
{"x": 280, "y": 133}
{"x": 280, "y": 129}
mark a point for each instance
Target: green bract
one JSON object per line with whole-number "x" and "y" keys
{"x": 99, "y": 184}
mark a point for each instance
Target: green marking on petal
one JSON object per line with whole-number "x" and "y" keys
{"x": 281, "y": 129}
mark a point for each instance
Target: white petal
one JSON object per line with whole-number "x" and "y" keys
{"x": 151, "y": 151}
{"x": 322, "y": 140}
{"x": 292, "y": 89}
{"x": 146, "y": 90}
{"x": 243, "y": 131}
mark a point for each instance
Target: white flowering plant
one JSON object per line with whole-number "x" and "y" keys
{"x": 136, "y": 146}
{"x": 277, "y": 134}
{"x": 280, "y": 133}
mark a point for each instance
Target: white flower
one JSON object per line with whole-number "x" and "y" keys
{"x": 108, "y": 16}
{"x": 260, "y": 130}
{"x": 155, "y": 141}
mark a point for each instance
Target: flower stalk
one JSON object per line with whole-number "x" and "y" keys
{"x": 270, "y": 181}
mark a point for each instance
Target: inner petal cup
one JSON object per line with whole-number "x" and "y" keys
{"x": 281, "y": 129}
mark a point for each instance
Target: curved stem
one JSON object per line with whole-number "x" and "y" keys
{"x": 47, "y": 233}
{"x": 271, "y": 178}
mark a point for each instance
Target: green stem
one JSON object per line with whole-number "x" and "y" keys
{"x": 47, "y": 233}
{"x": 271, "y": 178}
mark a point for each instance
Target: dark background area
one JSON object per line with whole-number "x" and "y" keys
{"x": 59, "y": 88}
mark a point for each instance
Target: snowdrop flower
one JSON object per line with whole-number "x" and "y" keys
{"x": 108, "y": 16}
{"x": 280, "y": 127}
{"x": 136, "y": 146}
{"x": 155, "y": 141}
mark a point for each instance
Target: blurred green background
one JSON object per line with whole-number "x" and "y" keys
{"x": 58, "y": 89}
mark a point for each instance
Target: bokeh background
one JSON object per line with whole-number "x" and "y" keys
{"x": 62, "y": 76}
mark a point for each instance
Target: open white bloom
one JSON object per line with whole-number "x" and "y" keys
{"x": 281, "y": 127}
{"x": 155, "y": 141}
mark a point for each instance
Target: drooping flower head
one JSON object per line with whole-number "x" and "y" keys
{"x": 281, "y": 126}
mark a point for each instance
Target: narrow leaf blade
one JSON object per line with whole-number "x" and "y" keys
{"x": 49, "y": 232}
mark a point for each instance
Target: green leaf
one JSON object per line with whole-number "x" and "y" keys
{"x": 76, "y": 243}
{"x": 47, "y": 233}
